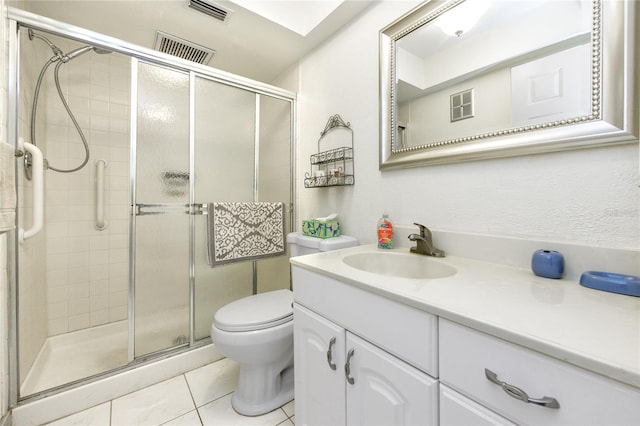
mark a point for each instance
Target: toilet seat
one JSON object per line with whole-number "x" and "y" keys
{"x": 256, "y": 312}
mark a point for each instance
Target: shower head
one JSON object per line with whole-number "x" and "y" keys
{"x": 75, "y": 53}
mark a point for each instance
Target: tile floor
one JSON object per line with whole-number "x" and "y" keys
{"x": 198, "y": 397}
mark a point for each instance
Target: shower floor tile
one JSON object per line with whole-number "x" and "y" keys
{"x": 198, "y": 397}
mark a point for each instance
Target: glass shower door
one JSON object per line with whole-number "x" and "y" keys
{"x": 224, "y": 156}
{"x": 160, "y": 281}
{"x": 224, "y": 144}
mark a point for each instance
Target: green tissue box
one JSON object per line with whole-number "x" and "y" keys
{"x": 318, "y": 229}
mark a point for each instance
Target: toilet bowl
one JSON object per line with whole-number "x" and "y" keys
{"x": 257, "y": 333}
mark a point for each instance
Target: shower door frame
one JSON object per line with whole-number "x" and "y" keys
{"x": 20, "y": 18}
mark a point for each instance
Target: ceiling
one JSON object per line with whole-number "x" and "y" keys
{"x": 246, "y": 44}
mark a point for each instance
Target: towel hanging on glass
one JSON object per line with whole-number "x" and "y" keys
{"x": 241, "y": 231}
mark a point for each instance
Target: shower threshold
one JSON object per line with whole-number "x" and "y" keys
{"x": 73, "y": 356}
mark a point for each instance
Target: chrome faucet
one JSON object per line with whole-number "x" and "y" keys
{"x": 424, "y": 243}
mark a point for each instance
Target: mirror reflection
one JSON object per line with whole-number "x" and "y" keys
{"x": 477, "y": 68}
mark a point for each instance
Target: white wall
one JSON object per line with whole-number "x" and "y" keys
{"x": 588, "y": 196}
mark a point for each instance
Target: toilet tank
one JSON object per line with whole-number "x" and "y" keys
{"x": 300, "y": 245}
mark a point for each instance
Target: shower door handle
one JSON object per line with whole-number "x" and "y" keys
{"x": 155, "y": 209}
{"x": 37, "y": 180}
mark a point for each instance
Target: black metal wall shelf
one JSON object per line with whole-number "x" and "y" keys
{"x": 332, "y": 166}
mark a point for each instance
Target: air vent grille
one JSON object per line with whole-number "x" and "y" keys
{"x": 210, "y": 9}
{"x": 181, "y": 48}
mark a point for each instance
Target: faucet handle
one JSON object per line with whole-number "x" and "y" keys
{"x": 423, "y": 229}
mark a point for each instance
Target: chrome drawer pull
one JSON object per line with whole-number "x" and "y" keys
{"x": 330, "y": 354}
{"x": 518, "y": 393}
{"x": 347, "y": 367}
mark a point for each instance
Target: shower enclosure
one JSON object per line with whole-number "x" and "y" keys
{"x": 136, "y": 144}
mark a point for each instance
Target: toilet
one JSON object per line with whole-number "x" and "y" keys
{"x": 257, "y": 333}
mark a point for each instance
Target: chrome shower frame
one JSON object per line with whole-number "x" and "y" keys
{"x": 19, "y": 19}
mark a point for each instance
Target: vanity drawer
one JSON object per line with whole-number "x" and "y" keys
{"x": 458, "y": 410}
{"x": 583, "y": 397}
{"x": 406, "y": 332}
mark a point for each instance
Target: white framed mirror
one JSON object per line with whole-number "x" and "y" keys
{"x": 520, "y": 77}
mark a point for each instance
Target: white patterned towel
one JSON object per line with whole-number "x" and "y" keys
{"x": 244, "y": 231}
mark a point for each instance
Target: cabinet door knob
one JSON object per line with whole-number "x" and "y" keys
{"x": 518, "y": 393}
{"x": 347, "y": 367}
{"x": 330, "y": 354}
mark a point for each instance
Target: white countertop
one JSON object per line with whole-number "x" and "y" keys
{"x": 593, "y": 329}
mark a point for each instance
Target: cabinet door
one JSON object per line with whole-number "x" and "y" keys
{"x": 319, "y": 388}
{"x": 458, "y": 410}
{"x": 385, "y": 390}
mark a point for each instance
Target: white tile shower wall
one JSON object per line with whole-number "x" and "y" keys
{"x": 31, "y": 269}
{"x": 87, "y": 268}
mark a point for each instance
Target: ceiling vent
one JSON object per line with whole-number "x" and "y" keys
{"x": 210, "y": 9}
{"x": 181, "y": 48}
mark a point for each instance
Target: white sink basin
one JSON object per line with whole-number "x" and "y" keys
{"x": 400, "y": 265}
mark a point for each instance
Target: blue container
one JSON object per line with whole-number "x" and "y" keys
{"x": 547, "y": 264}
{"x": 614, "y": 283}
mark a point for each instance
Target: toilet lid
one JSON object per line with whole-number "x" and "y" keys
{"x": 256, "y": 312}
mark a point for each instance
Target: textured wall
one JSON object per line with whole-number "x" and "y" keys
{"x": 586, "y": 197}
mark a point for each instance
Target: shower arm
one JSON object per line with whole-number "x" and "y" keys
{"x": 56, "y": 50}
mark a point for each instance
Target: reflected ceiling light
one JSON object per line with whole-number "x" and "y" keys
{"x": 300, "y": 16}
{"x": 462, "y": 18}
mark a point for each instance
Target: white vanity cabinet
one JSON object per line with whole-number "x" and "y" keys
{"x": 458, "y": 410}
{"x": 319, "y": 354}
{"x": 343, "y": 374}
{"x": 343, "y": 379}
{"x": 416, "y": 367}
{"x": 499, "y": 376}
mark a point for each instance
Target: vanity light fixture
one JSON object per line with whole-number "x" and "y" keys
{"x": 462, "y": 17}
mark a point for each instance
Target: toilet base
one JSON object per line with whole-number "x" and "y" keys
{"x": 243, "y": 402}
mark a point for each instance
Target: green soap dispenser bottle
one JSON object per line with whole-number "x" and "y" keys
{"x": 385, "y": 232}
